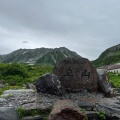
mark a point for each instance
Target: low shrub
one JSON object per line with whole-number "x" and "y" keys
{"x": 114, "y": 79}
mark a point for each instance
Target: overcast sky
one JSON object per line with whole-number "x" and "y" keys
{"x": 87, "y": 27}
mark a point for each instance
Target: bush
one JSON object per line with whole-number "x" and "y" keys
{"x": 102, "y": 115}
{"x": 12, "y": 70}
{"x": 115, "y": 79}
{"x": 22, "y": 112}
{"x": 22, "y": 73}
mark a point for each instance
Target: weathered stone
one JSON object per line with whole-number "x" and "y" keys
{"x": 2, "y": 86}
{"x": 44, "y": 102}
{"x": 77, "y": 74}
{"x": 33, "y": 118}
{"x": 112, "y": 111}
{"x": 118, "y": 90}
{"x": 108, "y": 105}
{"x": 17, "y": 92}
{"x": 112, "y": 118}
{"x": 86, "y": 105}
{"x": 40, "y": 106}
{"x": 91, "y": 115}
{"x": 104, "y": 85}
{"x": 103, "y": 75}
{"x": 8, "y": 113}
{"x": 3, "y": 100}
{"x": 49, "y": 83}
{"x": 30, "y": 86}
{"x": 66, "y": 110}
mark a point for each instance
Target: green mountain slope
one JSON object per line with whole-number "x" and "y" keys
{"x": 56, "y": 55}
{"x": 24, "y": 55}
{"x": 39, "y": 55}
{"x": 109, "y": 56}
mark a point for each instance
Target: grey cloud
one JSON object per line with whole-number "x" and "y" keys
{"x": 85, "y": 26}
{"x": 25, "y": 41}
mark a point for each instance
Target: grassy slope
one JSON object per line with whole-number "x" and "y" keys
{"x": 53, "y": 57}
{"x": 109, "y": 56}
{"x": 34, "y": 72}
{"x": 115, "y": 79}
{"x": 107, "y": 60}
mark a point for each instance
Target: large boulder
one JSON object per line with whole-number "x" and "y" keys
{"x": 77, "y": 74}
{"x": 49, "y": 83}
{"x": 8, "y": 113}
{"x": 66, "y": 110}
{"x": 103, "y": 74}
{"x": 105, "y": 88}
{"x": 103, "y": 81}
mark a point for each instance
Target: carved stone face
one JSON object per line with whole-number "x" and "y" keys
{"x": 77, "y": 74}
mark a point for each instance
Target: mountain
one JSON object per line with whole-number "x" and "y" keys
{"x": 38, "y": 55}
{"x": 56, "y": 55}
{"x": 109, "y": 56}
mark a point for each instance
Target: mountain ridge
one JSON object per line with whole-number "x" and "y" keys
{"x": 38, "y": 55}
{"x": 109, "y": 56}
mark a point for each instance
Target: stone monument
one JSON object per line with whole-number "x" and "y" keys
{"x": 77, "y": 74}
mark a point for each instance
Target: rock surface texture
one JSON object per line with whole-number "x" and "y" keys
{"x": 49, "y": 83}
{"x": 8, "y": 113}
{"x": 77, "y": 74}
{"x": 103, "y": 82}
{"x": 66, "y": 110}
{"x": 92, "y": 102}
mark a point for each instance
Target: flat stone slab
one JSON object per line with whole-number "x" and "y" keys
{"x": 85, "y": 105}
{"x": 92, "y": 115}
{"x": 17, "y": 92}
{"x": 8, "y": 113}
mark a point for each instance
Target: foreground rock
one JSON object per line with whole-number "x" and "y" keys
{"x": 49, "y": 83}
{"x": 8, "y": 113}
{"x": 111, "y": 107}
{"x": 66, "y": 110}
{"x": 93, "y": 102}
{"x": 16, "y": 92}
{"x": 38, "y": 117}
{"x": 77, "y": 74}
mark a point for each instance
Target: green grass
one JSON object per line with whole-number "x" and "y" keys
{"x": 20, "y": 74}
{"x": 115, "y": 79}
{"x": 33, "y": 112}
{"x": 102, "y": 115}
{"x": 21, "y": 112}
